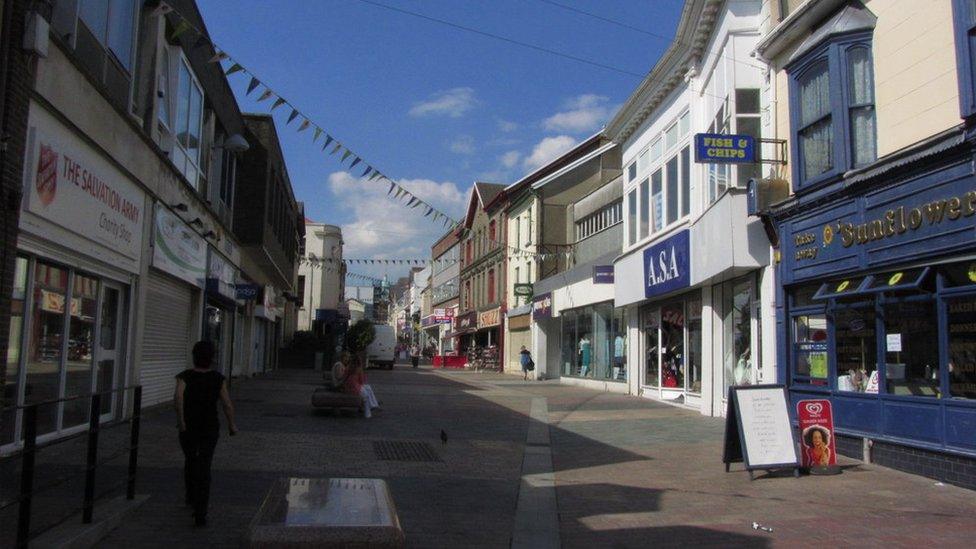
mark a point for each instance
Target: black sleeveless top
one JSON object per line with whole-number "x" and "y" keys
{"x": 200, "y": 400}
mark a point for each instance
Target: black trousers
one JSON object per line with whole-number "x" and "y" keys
{"x": 198, "y": 449}
{"x": 414, "y": 360}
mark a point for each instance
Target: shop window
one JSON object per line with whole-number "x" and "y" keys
{"x": 964, "y": 16}
{"x": 832, "y": 100}
{"x": 568, "y": 345}
{"x": 81, "y": 342}
{"x": 810, "y": 348}
{"x": 620, "y": 345}
{"x": 962, "y": 346}
{"x": 15, "y": 335}
{"x": 652, "y": 366}
{"x": 738, "y": 360}
{"x": 911, "y": 347}
{"x": 593, "y": 345}
{"x": 673, "y": 345}
{"x": 856, "y": 348}
{"x": 46, "y": 343}
{"x": 693, "y": 380}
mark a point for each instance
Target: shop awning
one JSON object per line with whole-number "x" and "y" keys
{"x": 894, "y": 281}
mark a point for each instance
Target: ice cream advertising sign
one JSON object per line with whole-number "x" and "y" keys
{"x": 73, "y": 186}
{"x": 816, "y": 421}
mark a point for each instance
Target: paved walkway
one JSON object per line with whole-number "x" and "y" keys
{"x": 622, "y": 472}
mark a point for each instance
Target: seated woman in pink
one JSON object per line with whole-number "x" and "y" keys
{"x": 355, "y": 383}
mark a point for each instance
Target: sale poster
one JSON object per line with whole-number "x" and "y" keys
{"x": 816, "y": 421}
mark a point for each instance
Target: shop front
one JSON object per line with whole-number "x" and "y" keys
{"x": 879, "y": 310}
{"x": 173, "y": 305}
{"x": 518, "y": 324}
{"x": 266, "y": 331}
{"x": 465, "y": 326}
{"x": 220, "y": 308}
{"x": 78, "y": 262}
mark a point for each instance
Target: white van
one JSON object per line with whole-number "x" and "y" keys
{"x": 381, "y": 352}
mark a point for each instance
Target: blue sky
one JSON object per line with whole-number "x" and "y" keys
{"x": 432, "y": 106}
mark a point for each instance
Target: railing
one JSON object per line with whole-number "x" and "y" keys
{"x": 28, "y": 454}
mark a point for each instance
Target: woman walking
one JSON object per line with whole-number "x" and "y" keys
{"x": 525, "y": 359}
{"x": 355, "y": 383}
{"x": 197, "y": 391}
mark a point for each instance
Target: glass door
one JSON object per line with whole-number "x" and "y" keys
{"x": 110, "y": 347}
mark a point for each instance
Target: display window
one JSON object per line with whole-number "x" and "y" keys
{"x": 672, "y": 334}
{"x": 905, "y": 333}
{"x": 740, "y": 305}
{"x": 593, "y": 342}
{"x": 66, "y": 338}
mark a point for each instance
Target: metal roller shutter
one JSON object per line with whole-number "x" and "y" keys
{"x": 166, "y": 340}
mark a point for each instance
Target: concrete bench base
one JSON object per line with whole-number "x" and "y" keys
{"x": 327, "y": 512}
{"x": 323, "y": 398}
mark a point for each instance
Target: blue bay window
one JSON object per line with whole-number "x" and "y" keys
{"x": 964, "y": 20}
{"x": 832, "y": 113}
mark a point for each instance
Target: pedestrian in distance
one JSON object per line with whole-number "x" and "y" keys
{"x": 414, "y": 355}
{"x": 355, "y": 383}
{"x": 197, "y": 391}
{"x": 528, "y": 365}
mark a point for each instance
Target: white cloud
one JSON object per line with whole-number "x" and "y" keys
{"x": 384, "y": 228}
{"x": 584, "y": 113}
{"x": 510, "y": 159}
{"x": 547, "y": 150}
{"x": 453, "y": 102}
{"x": 462, "y": 144}
{"x": 507, "y": 126}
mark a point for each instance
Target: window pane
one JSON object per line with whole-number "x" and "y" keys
{"x": 632, "y": 216}
{"x": 619, "y": 372}
{"x": 651, "y": 346}
{"x": 748, "y": 126}
{"x": 684, "y": 124}
{"x": 657, "y": 150}
{"x": 810, "y": 346}
{"x": 863, "y": 136}
{"x": 814, "y": 94}
{"x": 15, "y": 333}
{"x": 685, "y": 181}
{"x": 632, "y": 172}
{"x": 121, "y": 21}
{"x": 694, "y": 345}
{"x": 960, "y": 274}
{"x": 81, "y": 341}
{"x": 816, "y": 146}
{"x": 196, "y": 119}
{"x": 673, "y": 345}
{"x": 46, "y": 338}
{"x": 747, "y": 101}
{"x": 912, "y": 348}
{"x": 671, "y": 136}
{"x": 95, "y": 15}
{"x": 642, "y": 162}
{"x": 645, "y": 207}
{"x": 672, "y": 194}
{"x": 962, "y": 346}
{"x": 568, "y": 346}
{"x": 657, "y": 198}
{"x": 164, "y": 101}
{"x": 857, "y": 355}
{"x": 183, "y": 106}
{"x": 861, "y": 76}
{"x": 737, "y": 324}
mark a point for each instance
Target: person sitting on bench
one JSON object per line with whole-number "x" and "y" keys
{"x": 355, "y": 383}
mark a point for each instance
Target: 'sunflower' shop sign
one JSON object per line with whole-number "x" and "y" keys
{"x": 667, "y": 265}
{"x": 73, "y": 186}
{"x": 178, "y": 249}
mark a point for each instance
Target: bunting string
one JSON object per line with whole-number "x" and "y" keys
{"x": 230, "y": 66}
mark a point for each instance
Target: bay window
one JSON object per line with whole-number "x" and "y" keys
{"x": 180, "y": 113}
{"x": 112, "y": 23}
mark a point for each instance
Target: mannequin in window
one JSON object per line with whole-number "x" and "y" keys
{"x": 743, "y": 368}
{"x": 585, "y": 355}
{"x": 618, "y": 356}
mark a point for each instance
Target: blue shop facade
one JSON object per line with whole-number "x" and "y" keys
{"x": 877, "y": 303}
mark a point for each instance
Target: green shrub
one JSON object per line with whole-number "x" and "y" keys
{"x": 359, "y": 336}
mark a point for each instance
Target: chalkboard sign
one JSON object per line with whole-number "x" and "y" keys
{"x": 758, "y": 431}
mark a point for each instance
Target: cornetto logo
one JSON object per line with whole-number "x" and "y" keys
{"x": 47, "y": 174}
{"x": 814, "y": 408}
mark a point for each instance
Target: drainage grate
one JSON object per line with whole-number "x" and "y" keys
{"x": 394, "y": 450}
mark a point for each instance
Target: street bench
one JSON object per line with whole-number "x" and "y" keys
{"x": 327, "y": 399}
{"x": 327, "y": 512}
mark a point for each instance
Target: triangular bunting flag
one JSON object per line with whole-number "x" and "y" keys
{"x": 429, "y": 209}
{"x": 411, "y": 201}
{"x": 219, "y": 56}
{"x": 318, "y": 132}
{"x": 180, "y": 28}
{"x": 304, "y": 125}
{"x": 292, "y": 116}
{"x": 336, "y": 149}
{"x": 354, "y": 162}
{"x": 250, "y": 87}
{"x": 278, "y": 102}
{"x": 368, "y": 169}
{"x": 376, "y": 174}
{"x": 391, "y": 188}
{"x": 328, "y": 139}
{"x": 267, "y": 93}
{"x": 345, "y": 155}
{"x": 236, "y": 67}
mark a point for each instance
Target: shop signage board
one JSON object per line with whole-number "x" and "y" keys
{"x": 178, "y": 249}
{"x": 816, "y": 421}
{"x": 542, "y": 306}
{"x": 247, "y": 292}
{"x": 718, "y": 148}
{"x": 667, "y": 265}
{"x": 221, "y": 275}
{"x": 603, "y": 274}
{"x": 487, "y": 319}
{"x": 523, "y": 290}
{"x": 72, "y": 186}
{"x": 466, "y": 322}
{"x": 758, "y": 431}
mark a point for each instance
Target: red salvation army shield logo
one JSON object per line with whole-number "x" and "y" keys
{"x": 47, "y": 174}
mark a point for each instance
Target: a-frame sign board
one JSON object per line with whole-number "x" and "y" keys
{"x": 758, "y": 430}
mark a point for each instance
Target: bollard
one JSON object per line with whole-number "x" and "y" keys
{"x": 94, "y": 413}
{"x": 27, "y": 475}
{"x": 130, "y": 490}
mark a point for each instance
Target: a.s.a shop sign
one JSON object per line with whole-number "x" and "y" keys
{"x": 667, "y": 265}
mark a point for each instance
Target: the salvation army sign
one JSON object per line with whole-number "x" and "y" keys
{"x": 667, "y": 266}
{"x": 816, "y": 421}
{"x": 71, "y": 185}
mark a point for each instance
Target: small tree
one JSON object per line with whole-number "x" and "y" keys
{"x": 358, "y": 337}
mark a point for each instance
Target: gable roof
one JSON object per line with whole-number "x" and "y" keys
{"x": 481, "y": 193}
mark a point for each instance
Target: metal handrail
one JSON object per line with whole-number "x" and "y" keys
{"x": 66, "y": 399}
{"x": 30, "y": 448}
